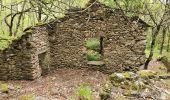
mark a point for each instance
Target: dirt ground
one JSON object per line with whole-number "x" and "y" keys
{"x": 58, "y": 85}
{"x": 63, "y": 83}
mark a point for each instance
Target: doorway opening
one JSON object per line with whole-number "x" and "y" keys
{"x": 44, "y": 62}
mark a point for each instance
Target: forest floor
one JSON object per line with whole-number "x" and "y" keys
{"x": 58, "y": 85}
{"x": 62, "y": 84}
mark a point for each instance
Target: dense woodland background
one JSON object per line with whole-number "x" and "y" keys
{"x": 16, "y": 15}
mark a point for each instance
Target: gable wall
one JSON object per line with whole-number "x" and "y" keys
{"x": 124, "y": 41}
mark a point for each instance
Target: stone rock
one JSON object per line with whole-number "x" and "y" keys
{"x": 55, "y": 91}
{"x": 140, "y": 83}
{"x": 104, "y": 95}
{"x": 146, "y": 74}
{"x": 164, "y": 96}
{"x": 59, "y": 92}
{"x": 135, "y": 93}
{"x": 130, "y": 75}
{"x": 40, "y": 98}
{"x": 116, "y": 78}
{"x": 166, "y": 62}
{"x": 97, "y": 63}
{"x": 164, "y": 76}
{"x": 146, "y": 93}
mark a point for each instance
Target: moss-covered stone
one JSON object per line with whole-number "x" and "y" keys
{"x": 29, "y": 31}
{"x": 107, "y": 87}
{"x": 135, "y": 86}
{"x": 39, "y": 23}
{"x": 163, "y": 75}
{"x": 104, "y": 95}
{"x": 146, "y": 74}
{"x": 127, "y": 74}
{"x": 125, "y": 85}
{"x": 127, "y": 92}
{"x": 117, "y": 77}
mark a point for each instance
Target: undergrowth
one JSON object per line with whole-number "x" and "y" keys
{"x": 84, "y": 93}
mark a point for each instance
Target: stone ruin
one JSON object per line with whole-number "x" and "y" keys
{"x": 61, "y": 43}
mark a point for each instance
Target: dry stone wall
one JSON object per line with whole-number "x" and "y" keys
{"x": 20, "y": 60}
{"x": 124, "y": 40}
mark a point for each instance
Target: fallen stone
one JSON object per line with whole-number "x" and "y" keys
{"x": 40, "y": 98}
{"x": 96, "y": 63}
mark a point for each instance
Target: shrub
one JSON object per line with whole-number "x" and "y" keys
{"x": 93, "y": 55}
{"x": 93, "y": 44}
{"x": 84, "y": 93}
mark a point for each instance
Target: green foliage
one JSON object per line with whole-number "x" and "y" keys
{"x": 27, "y": 97}
{"x": 128, "y": 5}
{"x": 116, "y": 80}
{"x": 84, "y": 93}
{"x": 167, "y": 55}
{"x": 3, "y": 44}
{"x": 110, "y": 3}
{"x": 5, "y": 41}
{"x": 4, "y": 88}
{"x": 146, "y": 74}
{"x": 93, "y": 55}
{"x": 127, "y": 75}
{"x": 39, "y": 23}
{"x": 93, "y": 44}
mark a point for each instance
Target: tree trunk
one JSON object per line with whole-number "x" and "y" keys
{"x": 168, "y": 42}
{"x": 11, "y": 25}
{"x": 20, "y": 18}
{"x": 163, "y": 40}
{"x": 155, "y": 34}
{"x": 39, "y": 14}
{"x": 101, "y": 45}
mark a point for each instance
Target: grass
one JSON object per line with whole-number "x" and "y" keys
{"x": 93, "y": 44}
{"x": 93, "y": 55}
{"x": 84, "y": 93}
{"x": 93, "y": 47}
{"x": 27, "y": 97}
{"x": 4, "y": 88}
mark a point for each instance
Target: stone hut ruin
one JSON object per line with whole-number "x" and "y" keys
{"x": 61, "y": 43}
